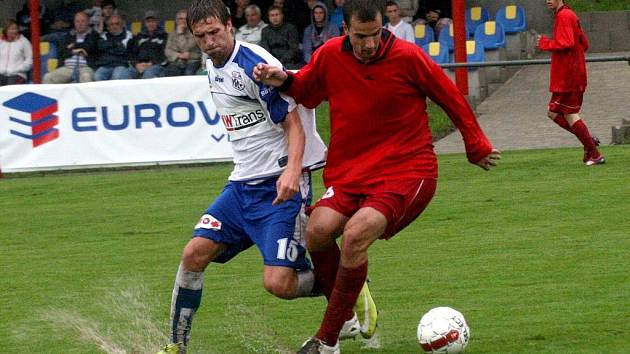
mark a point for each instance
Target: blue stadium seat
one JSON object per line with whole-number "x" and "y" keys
{"x": 446, "y": 37}
{"x": 474, "y": 17}
{"x": 491, "y": 35}
{"x": 437, "y": 51}
{"x": 424, "y": 34}
{"x": 475, "y": 53}
{"x": 48, "y": 53}
{"x": 512, "y": 18}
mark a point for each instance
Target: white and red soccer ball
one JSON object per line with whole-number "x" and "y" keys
{"x": 443, "y": 330}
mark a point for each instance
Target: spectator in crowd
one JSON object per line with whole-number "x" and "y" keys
{"x": 148, "y": 49}
{"x": 281, "y": 39}
{"x": 23, "y": 19}
{"x": 108, "y": 8}
{"x": 94, "y": 13}
{"x": 62, "y": 20}
{"x": 319, "y": 31}
{"x": 76, "y": 54}
{"x": 396, "y": 25}
{"x": 114, "y": 51}
{"x": 251, "y": 32}
{"x": 407, "y": 9}
{"x": 435, "y": 13}
{"x": 336, "y": 18}
{"x": 237, "y": 13}
{"x": 182, "y": 52}
{"x": 16, "y": 56}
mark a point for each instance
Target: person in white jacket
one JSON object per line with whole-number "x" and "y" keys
{"x": 16, "y": 55}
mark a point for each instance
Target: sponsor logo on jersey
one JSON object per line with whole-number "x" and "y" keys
{"x": 218, "y": 79}
{"x": 237, "y": 81}
{"x": 329, "y": 193}
{"x": 208, "y": 222}
{"x": 234, "y": 122}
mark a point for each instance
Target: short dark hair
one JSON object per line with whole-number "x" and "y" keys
{"x": 275, "y": 7}
{"x": 391, "y": 3}
{"x": 200, "y": 10}
{"x": 363, "y": 10}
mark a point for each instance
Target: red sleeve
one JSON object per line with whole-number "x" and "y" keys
{"x": 440, "y": 89}
{"x": 307, "y": 87}
{"x": 563, "y": 34}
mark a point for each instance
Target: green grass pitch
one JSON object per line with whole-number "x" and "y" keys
{"x": 534, "y": 253}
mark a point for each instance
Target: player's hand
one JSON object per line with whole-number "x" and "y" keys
{"x": 287, "y": 185}
{"x": 490, "y": 160}
{"x": 269, "y": 75}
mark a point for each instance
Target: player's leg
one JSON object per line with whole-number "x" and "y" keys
{"x": 560, "y": 120}
{"x": 361, "y": 230}
{"x": 592, "y": 156}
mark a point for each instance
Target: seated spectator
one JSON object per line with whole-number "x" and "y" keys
{"x": 281, "y": 39}
{"x": 252, "y": 30}
{"x": 396, "y": 25}
{"x": 114, "y": 51}
{"x": 94, "y": 13}
{"x": 336, "y": 18}
{"x": 237, "y": 13}
{"x": 76, "y": 54}
{"x": 16, "y": 56}
{"x": 62, "y": 20}
{"x": 319, "y": 31}
{"x": 183, "y": 54}
{"x": 148, "y": 49}
{"x": 435, "y": 13}
{"x": 108, "y": 8}
{"x": 23, "y": 19}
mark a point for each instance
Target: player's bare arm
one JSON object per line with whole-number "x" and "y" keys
{"x": 489, "y": 160}
{"x": 288, "y": 182}
{"x": 269, "y": 75}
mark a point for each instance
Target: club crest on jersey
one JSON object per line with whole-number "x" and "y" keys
{"x": 237, "y": 81}
{"x": 208, "y": 222}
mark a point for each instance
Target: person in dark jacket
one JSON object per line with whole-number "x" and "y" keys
{"x": 114, "y": 51}
{"x": 319, "y": 31}
{"x": 148, "y": 49}
{"x": 76, "y": 54}
{"x": 281, "y": 39}
{"x": 23, "y": 19}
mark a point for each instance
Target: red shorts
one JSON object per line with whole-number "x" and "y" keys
{"x": 566, "y": 102}
{"x": 401, "y": 201}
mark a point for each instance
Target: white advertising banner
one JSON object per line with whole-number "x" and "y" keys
{"x": 109, "y": 123}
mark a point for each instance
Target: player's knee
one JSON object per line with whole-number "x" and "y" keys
{"x": 194, "y": 259}
{"x": 318, "y": 237}
{"x": 355, "y": 244}
{"x": 552, "y": 115}
{"x": 279, "y": 287}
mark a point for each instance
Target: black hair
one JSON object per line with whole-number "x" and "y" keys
{"x": 363, "y": 10}
{"x": 200, "y": 10}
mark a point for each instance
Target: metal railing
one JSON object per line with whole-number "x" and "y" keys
{"x": 521, "y": 62}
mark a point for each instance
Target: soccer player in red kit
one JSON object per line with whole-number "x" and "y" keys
{"x": 381, "y": 169}
{"x": 568, "y": 77}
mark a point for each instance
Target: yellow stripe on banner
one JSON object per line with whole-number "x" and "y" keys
{"x": 490, "y": 27}
{"x": 475, "y": 13}
{"x": 420, "y": 31}
{"x": 44, "y": 48}
{"x": 434, "y": 49}
{"x": 470, "y": 47}
{"x": 510, "y": 12}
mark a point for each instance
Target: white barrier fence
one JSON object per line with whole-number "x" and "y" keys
{"x": 111, "y": 123}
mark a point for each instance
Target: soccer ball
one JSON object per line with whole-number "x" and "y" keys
{"x": 443, "y": 330}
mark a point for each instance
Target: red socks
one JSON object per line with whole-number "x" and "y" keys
{"x": 562, "y": 122}
{"x": 581, "y": 131}
{"x": 325, "y": 264}
{"x": 346, "y": 290}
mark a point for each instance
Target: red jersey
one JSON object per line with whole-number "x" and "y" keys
{"x": 568, "y": 66}
{"x": 378, "y": 121}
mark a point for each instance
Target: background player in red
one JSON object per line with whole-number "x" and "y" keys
{"x": 568, "y": 77}
{"x": 381, "y": 169}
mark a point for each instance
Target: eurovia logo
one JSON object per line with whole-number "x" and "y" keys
{"x": 34, "y": 117}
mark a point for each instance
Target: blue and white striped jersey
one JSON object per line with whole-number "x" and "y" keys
{"x": 252, "y": 112}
